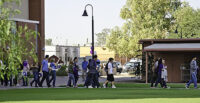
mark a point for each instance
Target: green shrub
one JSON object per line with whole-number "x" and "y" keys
{"x": 62, "y": 71}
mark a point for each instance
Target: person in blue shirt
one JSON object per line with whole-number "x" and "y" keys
{"x": 193, "y": 73}
{"x": 54, "y": 68}
{"x": 84, "y": 69}
{"x": 45, "y": 71}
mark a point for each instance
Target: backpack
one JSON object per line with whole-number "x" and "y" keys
{"x": 106, "y": 68}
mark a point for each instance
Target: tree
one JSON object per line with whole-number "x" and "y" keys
{"x": 147, "y": 19}
{"x": 48, "y": 42}
{"x": 187, "y": 22}
{"x": 113, "y": 39}
{"x": 101, "y": 37}
{"x": 14, "y": 42}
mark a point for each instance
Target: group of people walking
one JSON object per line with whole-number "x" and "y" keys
{"x": 159, "y": 74}
{"x": 90, "y": 73}
{"x": 39, "y": 71}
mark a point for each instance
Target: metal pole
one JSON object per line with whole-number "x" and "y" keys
{"x": 36, "y": 29}
{"x": 92, "y": 29}
{"x": 146, "y": 67}
{"x": 92, "y": 36}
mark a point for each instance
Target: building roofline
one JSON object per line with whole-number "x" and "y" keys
{"x": 25, "y": 20}
{"x": 191, "y": 40}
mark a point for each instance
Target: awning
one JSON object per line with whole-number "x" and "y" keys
{"x": 173, "y": 47}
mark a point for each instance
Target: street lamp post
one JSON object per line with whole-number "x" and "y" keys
{"x": 85, "y": 14}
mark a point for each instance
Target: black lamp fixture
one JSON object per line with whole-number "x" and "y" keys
{"x": 86, "y": 14}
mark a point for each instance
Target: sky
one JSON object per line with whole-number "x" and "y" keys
{"x": 66, "y": 26}
{"x": 64, "y": 21}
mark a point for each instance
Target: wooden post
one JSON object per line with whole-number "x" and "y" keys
{"x": 146, "y": 67}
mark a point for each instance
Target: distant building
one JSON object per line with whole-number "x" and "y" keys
{"x": 50, "y": 50}
{"x": 64, "y": 52}
{"x": 67, "y": 52}
{"x": 103, "y": 53}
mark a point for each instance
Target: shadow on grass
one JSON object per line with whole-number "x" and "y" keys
{"x": 67, "y": 94}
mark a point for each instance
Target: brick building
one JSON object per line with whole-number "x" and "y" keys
{"x": 32, "y": 14}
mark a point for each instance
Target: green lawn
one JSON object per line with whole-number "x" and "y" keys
{"x": 125, "y": 93}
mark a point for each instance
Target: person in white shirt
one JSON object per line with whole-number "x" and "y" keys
{"x": 164, "y": 75}
{"x": 110, "y": 76}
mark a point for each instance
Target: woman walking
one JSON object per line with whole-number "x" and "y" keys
{"x": 54, "y": 68}
{"x": 71, "y": 75}
{"x": 159, "y": 71}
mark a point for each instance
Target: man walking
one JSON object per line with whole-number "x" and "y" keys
{"x": 45, "y": 71}
{"x": 93, "y": 72}
{"x": 84, "y": 69}
{"x": 110, "y": 76}
{"x": 154, "y": 73}
{"x": 193, "y": 73}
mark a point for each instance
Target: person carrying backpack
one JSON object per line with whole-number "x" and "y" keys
{"x": 110, "y": 72}
{"x": 92, "y": 73}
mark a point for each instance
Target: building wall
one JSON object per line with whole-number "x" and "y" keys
{"x": 24, "y": 8}
{"x": 103, "y": 54}
{"x": 31, "y": 26}
{"x": 36, "y": 12}
{"x": 33, "y": 10}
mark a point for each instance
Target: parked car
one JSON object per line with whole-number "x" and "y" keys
{"x": 130, "y": 66}
{"x": 136, "y": 60}
{"x": 118, "y": 66}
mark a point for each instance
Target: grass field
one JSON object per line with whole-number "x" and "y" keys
{"x": 125, "y": 93}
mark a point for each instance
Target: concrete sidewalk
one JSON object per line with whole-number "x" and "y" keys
{"x": 62, "y": 81}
